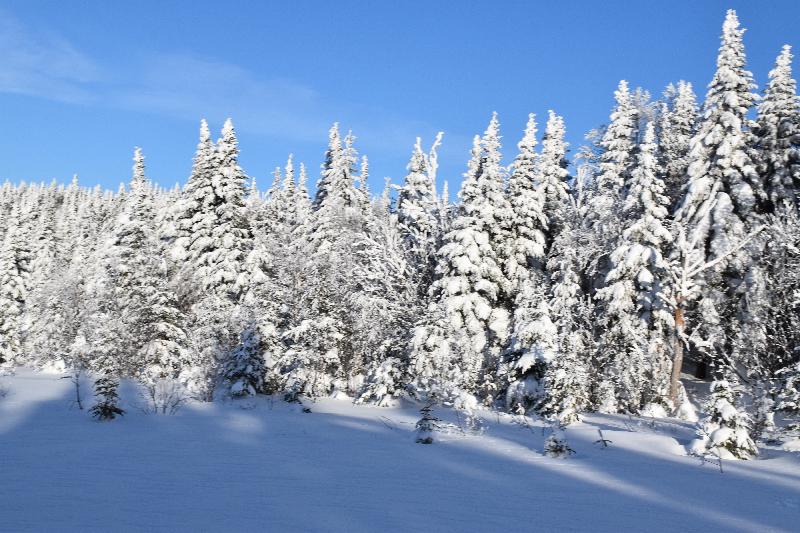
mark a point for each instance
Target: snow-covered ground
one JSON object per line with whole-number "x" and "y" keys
{"x": 267, "y": 466}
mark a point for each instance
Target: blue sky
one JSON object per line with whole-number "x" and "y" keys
{"x": 82, "y": 83}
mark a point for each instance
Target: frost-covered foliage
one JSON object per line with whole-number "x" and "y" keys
{"x": 384, "y": 382}
{"x": 726, "y": 429}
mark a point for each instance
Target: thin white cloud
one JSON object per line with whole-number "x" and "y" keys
{"x": 45, "y": 65}
{"x": 42, "y": 64}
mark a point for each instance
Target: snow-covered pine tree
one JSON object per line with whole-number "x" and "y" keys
{"x": 552, "y": 177}
{"x": 417, "y": 212}
{"x": 321, "y": 353}
{"x": 566, "y": 383}
{"x": 471, "y": 286}
{"x": 191, "y": 214}
{"x": 12, "y": 290}
{"x": 243, "y": 370}
{"x": 151, "y": 338}
{"x": 677, "y": 125}
{"x": 221, "y": 262}
{"x": 777, "y": 135}
{"x": 789, "y": 389}
{"x": 533, "y": 345}
{"x": 723, "y": 185}
{"x": 529, "y": 222}
{"x": 725, "y": 430}
{"x": 617, "y": 156}
{"x": 532, "y": 341}
{"x": 633, "y": 343}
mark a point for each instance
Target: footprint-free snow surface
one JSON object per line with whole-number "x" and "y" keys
{"x": 264, "y": 465}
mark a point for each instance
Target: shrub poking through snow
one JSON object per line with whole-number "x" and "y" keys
{"x": 725, "y": 431}
{"x": 427, "y": 425}
{"x": 556, "y": 444}
{"x": 105, "y": 390}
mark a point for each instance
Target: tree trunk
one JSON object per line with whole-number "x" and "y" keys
{"x": 677, "y": 356}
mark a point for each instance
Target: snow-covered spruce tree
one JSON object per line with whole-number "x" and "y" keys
{"x": 431, "y": 364}
{"x": 529, "y": 223}
{"x": 13, "y": 271}
{"x": 725, "y": 430}
{"x": 677, "y": 125}
{"x": 777, "y": 135}
{"x": 190, "y": 214}
{"x": 552, "y": 178}
{"x": 321, "y": 353}
{"x": 243, "y": 370}
{"x": 221, "y": 262}
{"x": 616, "y": 158}
{"x": 417, "y": 213}
{"x": 633, "y": 343}
{"x": 720, "y": 205}
{"x": 566, "y": 382}
{"x": 775, "y": 357}
{"x": 471, "y": 286}
{"x": 152, "y": 340}
{"x": 385, "y": 302}
{"x": 789, "y": 389}
{"x": 384, "y": 382}
{"x": 531, "y": 343}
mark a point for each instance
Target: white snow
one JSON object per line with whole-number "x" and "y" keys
{"x": 262, "y": 464}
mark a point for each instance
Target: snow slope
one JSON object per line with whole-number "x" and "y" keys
{"x": 266, "y": 465}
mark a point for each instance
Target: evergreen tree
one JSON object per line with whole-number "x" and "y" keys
{"x": 417, "y": 212}
{"x": 617, "y": 150}
{"x": 633, "y": 343}
{"x": 427, "y": 425}
{"x": 107, "y": 406}
{"x": 529, "y": 222}
{"x": 244, "y": 367}
{"x": 471, "y": 286}
{"x": 778, "y": 135}
{"x": 677, "y": 125}
{"x": 552, "y": 178}
{"x": 13, "y": 270}
{"x": 722, "y": 191}
{"x": 566, "y": 383}
{"x": 725, "y": 431}
{"x": 721, "y": 203}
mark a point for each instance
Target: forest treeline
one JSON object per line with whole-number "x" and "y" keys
{"x": 551, "y": 286}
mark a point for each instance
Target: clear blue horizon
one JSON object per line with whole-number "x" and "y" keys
{"x": 81, "y": 84}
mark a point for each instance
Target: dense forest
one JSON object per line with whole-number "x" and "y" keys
{"x": 554, "y": 285}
